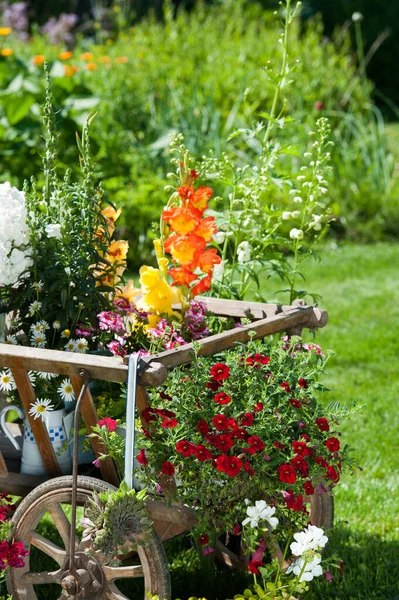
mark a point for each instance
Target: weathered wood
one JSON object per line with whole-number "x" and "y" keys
{"x": 227, "y": 339}
{"x": 19, "y": 484}
{"x": 27, "y": 395}
{"x": 90, "y": 418}
{"x": 3, "y": 466}
{"x": 182, "y": 515}
{"x": 108, "y": 368}
{"x": 142, "y": 399}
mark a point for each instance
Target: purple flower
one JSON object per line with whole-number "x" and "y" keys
{"x": 16, "y": 16}
{"x": 321, "y": 489}
{"x": 97, "y": 463}
{"x": 328, "y": 576}
{"x": 208, "y": 550}
{"x": 259, "y": 552}
{"x": 59, "y": 31}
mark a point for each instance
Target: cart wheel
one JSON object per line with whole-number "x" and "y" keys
{"x": 97, "y": 580}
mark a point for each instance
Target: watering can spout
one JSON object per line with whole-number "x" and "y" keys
{"x": 4, "y": 427}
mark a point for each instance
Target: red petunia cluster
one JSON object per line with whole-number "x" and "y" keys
{"x": 11, "y": 554}
{"x": 190, "y": 234}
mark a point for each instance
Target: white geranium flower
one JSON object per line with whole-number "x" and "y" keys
{"x": 40, "y": 407}
{"x": 261, "y": 512}
{"x": 7, "y": 383}
{"x": 66, "y": 391}
{"x": 218, "y": 271}
{"x": 53, "y": 230}
{"x": 296, "y": 234}
{"x": 244, "y": 252}
{"x": 286, "y": 216}
{"x": 312, "y": 538}
{"x": 306, "y": 569}
{"x": 296, "y": 214}
{"x": 298, "y": 200}
{"x": 81, "y": 345}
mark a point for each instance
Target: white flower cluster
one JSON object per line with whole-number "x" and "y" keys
{"x": 80, "y": 345}
{"x": 243, "y": 252}
{"x": 306, "y": 547}
{"x": 260, "y": 512}
{"x": 14, "y": 235}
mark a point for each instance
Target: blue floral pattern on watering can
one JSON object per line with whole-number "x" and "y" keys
{"x": 31, "y": 462}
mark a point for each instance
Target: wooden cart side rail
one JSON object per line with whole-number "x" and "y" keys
{"x": 296, "y": 316}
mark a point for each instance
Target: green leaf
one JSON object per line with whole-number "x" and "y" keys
{"x": 17, "y": 106}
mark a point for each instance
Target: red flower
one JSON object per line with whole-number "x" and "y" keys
{"x": 222, "y": 398}
{"x": 248, "y": 469}
{"x": 141, "y": 458}
{"x": 164, "y": 412}
{"x": 247, "y": 419}
{"x": 333, "y": 474}
{"x": 286, "y": 473}
{"x": 203, "y": 539}
{"x": 253, "y": 566}
{"x": 213, "y": 385}
{"x": 231, "y": 465}
{"x": 168, "y": 468}
{"x": 202, "y": 286}
{"x": 294, "y": 503}
{"x": 305, "y": 437}
{"x": 279, "y": 445}
{"x": 146, "y": 433}
{"x": 108, "y": 423}
{"x": 258, "y": 407}
{"x": 321, "y": 461}
{"x": 308, "y": 487}
{"x": 241, "y": 434}
{"x": 202, "y": 427}
{"x": 303, "y": 383}
{"x": 286, "y": 386}
{"x": 185, "y": 448}
{"x": 220, "y": 372}
{"x": 202, "y": 453}
{"x": 236, "y": 530}
{"x": 256, "y": 445}
{"x": 148, "y": 415}
{"x": 225, "y": 442}
{"x": 165, "y": 396}
{"x": 302, "y": 449}
{"x": 295, "y": 403}
{"x": 213, "y": 439}
{"x": 322, "y": 424}
{"x": 332, "y": 444}
{"x": 169, "y": 423}
{"x": 220, "y": 422}
{"x": 300, "y": 465}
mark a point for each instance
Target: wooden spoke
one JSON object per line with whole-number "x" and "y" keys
{"x": 44, "y": 577}
{"x": 112, "y": 593}
{"x": 52, "y": 550}
{"x": 62, "y": 523}
{"x": 112, "y": 573}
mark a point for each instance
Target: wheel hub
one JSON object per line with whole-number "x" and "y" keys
{"x": 87, "y": 580}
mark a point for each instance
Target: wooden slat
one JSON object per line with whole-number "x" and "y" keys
{"x": 108, "y": 368}
{"x": 3, "y": 466}
{"x": 159, "y": 510}
{"x": 90, "y": 418}
{"x": 227, "y": 339}
{"x": 27, "y": 395}
{"x": 19, "y": 484}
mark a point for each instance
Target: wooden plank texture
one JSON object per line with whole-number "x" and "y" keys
{"x": 3, "y": 467}
{"x": 27, "y": 395}
{"x": 90, "y": 418}
{"x": 19, "y": 484}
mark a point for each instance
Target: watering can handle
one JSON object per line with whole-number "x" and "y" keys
{"x": 4, "y": 427}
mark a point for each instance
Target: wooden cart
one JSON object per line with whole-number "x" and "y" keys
{"x": 92, "y": 577}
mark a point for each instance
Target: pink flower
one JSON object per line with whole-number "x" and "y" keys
{"x": 97, "y": 463}
{"x": 108, "y": 423}
{"x": 109, "y": 321}
{"x": 116, "y": 348}
{"x": 208, "y": 550}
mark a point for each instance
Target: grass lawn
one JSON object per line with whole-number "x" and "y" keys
{"x": 359, "y": 287}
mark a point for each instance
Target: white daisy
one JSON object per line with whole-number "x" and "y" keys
{"x": 6, "y": 381}
{"x": 46, "y": 376}
{"x": 37, "y": 327}
{"x": 32, "y": 377}
{"x": 38, "y": 339}
{"x": 40, "y": 408}
{"x": 66, "y": 391}
{"x": 38, "y": 285}
{"x": 56, "y": 324}
{"x": 81, "y": 345}
{"x": 34, "y": 308}
{"x": 11, "y": 339}
{"x": 70, "y": 346}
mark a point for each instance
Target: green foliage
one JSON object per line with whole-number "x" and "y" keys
{"x": 207, "y": 90}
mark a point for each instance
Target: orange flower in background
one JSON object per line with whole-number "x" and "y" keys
{"x": 185, "y": 249}
{"x": 207, "y": 229}
{"x": 5, "y": 31}
{"x": 7, "y": 52}
{"x": 129, "y": 292}
{"x": 182, "y": 275}
{"x": 117, "y": 250}
{"x": 87, "y": 56}
{"x": 105, "y": 59}
{"x": 91, "y": 66}
{"x": 208, "y": 260}
{"x": 195, "y": 198}
{"x": 110, "y": 213}
{"x": 202, "y": 286}
{"x": 38, "y": 60}
{"x": 65, "y": 55}
{"x": 69, "y": 70}
{"x": 121, "y": 59}
{"x": 183, "y": 219}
